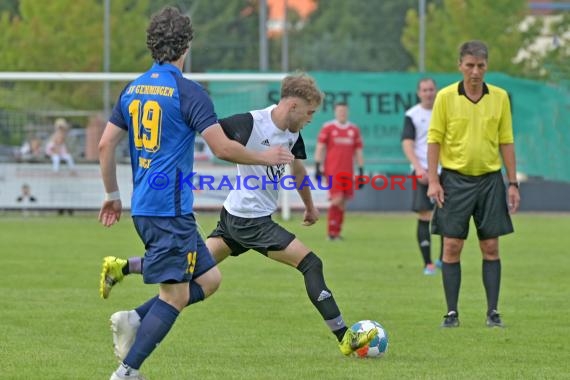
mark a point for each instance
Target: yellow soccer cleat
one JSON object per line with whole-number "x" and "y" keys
{"x": 352, "y": 341}
{"x": 111, "y": 273}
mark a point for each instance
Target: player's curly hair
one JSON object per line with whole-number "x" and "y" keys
{"x": 168, "y": 35}
{"x": 300, "y": 85}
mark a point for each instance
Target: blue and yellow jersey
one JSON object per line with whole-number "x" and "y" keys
{"x": 162, "y": 111}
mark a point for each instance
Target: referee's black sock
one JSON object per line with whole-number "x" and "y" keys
{"x": 424, "y": 240}
{"x": 451, "y": 274}
{"x": 492, "y": 283}
{"x": 320, "y": 295}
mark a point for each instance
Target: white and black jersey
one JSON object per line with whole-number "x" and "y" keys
{"x": 258, "y": 189}
{"x": 416, "y": 124}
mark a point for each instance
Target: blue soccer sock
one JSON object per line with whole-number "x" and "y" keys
{"x": 154, "y": 327}
{"x": 196, "y": 295}
{"x": 143, "y": 309}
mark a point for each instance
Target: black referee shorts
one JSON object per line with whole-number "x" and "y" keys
{"x": 421, "y": 201}
{"x": 260, "y": 234}
{"x": 483, "y": 197}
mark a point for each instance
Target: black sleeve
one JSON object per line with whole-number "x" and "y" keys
{"x": 298, "y": 149}
{"x": 238, "y": 127}
{"x": 409, "y": 131}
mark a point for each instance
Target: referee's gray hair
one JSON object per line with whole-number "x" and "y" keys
{"x": 474, "y": 48}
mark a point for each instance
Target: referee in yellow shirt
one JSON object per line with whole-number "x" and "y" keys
{"x": 470, "y": 127}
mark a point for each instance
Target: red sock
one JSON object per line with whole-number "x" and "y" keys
{"x": 335, "y": 216}
{"x": 340, "y": 219}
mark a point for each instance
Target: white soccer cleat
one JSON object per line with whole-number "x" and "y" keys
{"x": 137, "y": 376}
{"x": 124, "y": 333}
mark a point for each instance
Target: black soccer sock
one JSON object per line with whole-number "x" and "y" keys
{"x": 492, "y": 282}
{"x": 424, "y": 240}
{"x": 451, "y": 274}
{"x": 320, "y": 295}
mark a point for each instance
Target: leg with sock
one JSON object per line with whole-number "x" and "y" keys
{"x": 334, "y": 216}
{"x": 340, "y": 219}
{"x": 492, "y": 283}
{"x": 451, "y": 274}
{"x": 196, "y": 295}
{"x": 424, "y": 240}
{"x": 135, "y": 265}
{"x": 154, "y": 326}
{"x": 320, "y": 295}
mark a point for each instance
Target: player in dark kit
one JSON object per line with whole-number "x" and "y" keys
{"x": 245, "y": 220}
{"x": 414, "y": 145}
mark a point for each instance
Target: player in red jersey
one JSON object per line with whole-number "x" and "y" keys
{"x": 339, "y": 144}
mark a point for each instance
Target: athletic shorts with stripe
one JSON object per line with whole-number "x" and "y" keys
{"x": 175, "y": 251}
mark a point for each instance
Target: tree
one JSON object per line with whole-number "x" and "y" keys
{"x": 497, "y": 23}
{"x": 41, "y": 39}
{"x": 359, "y": 35}
{"x": 553, "y": 64}
{"x": 10, "y": 6}
{"x": 226, "y": 36}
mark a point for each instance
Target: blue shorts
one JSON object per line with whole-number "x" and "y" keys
{"x": 175, "y": 251}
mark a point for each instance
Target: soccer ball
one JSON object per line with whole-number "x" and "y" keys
{"x": 378, "y": 346}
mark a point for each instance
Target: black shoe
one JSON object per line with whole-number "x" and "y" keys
{"x": 450, "y": 319}
{"x": 494, "y": 319}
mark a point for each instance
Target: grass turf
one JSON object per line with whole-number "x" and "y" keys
{"x": 261, "y": 325}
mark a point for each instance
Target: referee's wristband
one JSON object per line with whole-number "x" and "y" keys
{"x": 114, "y": 196}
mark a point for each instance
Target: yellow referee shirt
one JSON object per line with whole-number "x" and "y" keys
{"x": 469, "y": 133}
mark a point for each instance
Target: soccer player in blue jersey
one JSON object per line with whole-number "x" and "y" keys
{"x": 161, "y": 111}
{"x": 245, "y": 220}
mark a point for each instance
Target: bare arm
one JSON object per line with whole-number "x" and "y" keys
{"x": 359, "y": 155}
{"x": 232, "y": 151}
{"x": 311, "y": 214}
{"x": 509, "y": 160}
{"x": 408, "y": 149}
{"x": 319, "y": 153}
{"x": 111, "y": 209}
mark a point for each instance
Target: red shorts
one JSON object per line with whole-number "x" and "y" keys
{"x": 343, "y": 187}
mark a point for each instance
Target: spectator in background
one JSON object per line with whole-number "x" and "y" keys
{"x": 56, "y": 147}
{"x": 339, "y": 144}
{"x": 31, "y": 149}
{"x": 414, "y": 145}
{"x": 470, "y": 132}
{"x": 26, "y": 199}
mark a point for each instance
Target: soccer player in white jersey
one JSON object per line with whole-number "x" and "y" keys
{"x": 245, "y": 220}
{"x": 414, "y": 145}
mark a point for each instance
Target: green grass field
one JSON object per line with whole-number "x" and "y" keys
{"x": 261, "y": 325}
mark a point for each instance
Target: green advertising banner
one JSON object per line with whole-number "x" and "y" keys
{"x": 377, "y": 101}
